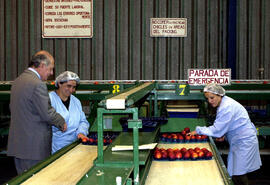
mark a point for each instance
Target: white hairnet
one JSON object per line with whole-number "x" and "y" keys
{"x": 67, "y": 76}
{"x": 215, "y": 89}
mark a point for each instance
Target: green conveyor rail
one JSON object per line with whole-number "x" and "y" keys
{"x": 35, "y": 169}
{"x": 222, "y": 168}
{"x": 132, "y": 98}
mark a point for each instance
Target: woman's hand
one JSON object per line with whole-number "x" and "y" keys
{"x": 81, "y": 136}
{"x": 220, "y": 139}
{"x": 192, "y": 133}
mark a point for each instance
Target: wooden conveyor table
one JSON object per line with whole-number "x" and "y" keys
{"x": 68, "y": 169}
{"x": 184, "y": 172}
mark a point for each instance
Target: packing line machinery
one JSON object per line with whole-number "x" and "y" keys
{"x": 127, "y": 98}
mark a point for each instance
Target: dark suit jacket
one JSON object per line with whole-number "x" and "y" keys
{"x": 30, "y": 130}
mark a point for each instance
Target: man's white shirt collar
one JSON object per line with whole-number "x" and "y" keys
{"x": 31, "y": 69}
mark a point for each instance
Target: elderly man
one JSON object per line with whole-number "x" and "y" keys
{"x": 232, "y": 121}
{"x": 32, "y": 115}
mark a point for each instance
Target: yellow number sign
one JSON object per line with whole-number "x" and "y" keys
{"x": 182, "y": 89}
{"x": 116, "y": 89}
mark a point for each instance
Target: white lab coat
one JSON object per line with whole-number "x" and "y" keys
{"x": 74, "y": 117}
{"x": 232, "y": 120}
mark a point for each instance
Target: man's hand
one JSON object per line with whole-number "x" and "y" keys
{"x": 64, "y": 127}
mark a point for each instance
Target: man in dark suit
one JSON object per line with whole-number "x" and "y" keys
{"x": 32, "y": 115}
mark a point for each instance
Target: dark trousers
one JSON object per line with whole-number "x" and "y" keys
{"x": 240, "y": 179}
{"x": 23, "y": 165}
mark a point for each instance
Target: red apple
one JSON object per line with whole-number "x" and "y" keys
{"x": 190, "y": 150}
{"x": 84, "y": 140}
{"x": 197, "y": 149}
{"x": 183, "y": 150}
{"x": 171, "y": 156}
{"x": 164, "y": 154}
{"x": 204, "y": 136}
{"x": 164, "y": 135}
{"x": 180, "y": 137}
{"x": 187, "y": 155}
{"x": 169, "y": 150}
{"x": 201, "y": 154}
{"x": 178, "y": 155}
{"x": 208, "y": 154}
{"x": 183, "y": 132}
{"x": 198, "y": 137}
{"x": 187, "y": 138}
{"x": 174, "y": 136}
{"x": 193, "y": 137}
{"x": 157, "y": 155}
{"x": 91, "y": 140}
{"x": 187, "y": 129}
{"x": 205, "y": 150}
{"x": 194, "y": 155}
{"x": 162, "y": 150}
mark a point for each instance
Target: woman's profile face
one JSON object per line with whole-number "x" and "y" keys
{"x": 213, "y": 99}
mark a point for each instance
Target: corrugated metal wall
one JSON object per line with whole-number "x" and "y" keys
{"x": 122, "y": 48}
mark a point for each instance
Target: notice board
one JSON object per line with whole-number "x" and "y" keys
{"x": 67, "y": 18}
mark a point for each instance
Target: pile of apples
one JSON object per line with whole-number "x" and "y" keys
{"x": 92, "y": 139}
{"x": 182, "y": 154}
{"x": 183, "y": 137}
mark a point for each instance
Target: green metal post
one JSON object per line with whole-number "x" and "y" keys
{"x": 100, "y": 135}
{"x": 155, "y": 103}
{"x": 150, "y": 105}
{"x": 129, "y": 181}
{"x": 135, "y": 124}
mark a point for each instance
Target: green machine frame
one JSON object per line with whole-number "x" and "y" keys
{"x": 159, "y": 91}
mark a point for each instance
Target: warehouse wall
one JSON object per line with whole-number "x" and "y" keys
{"x": 122, "y": 48}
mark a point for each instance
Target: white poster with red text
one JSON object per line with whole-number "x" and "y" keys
{"x": 207, "y": 76}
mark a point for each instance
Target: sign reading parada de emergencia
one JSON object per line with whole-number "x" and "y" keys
{"x": 67, "y": 18}
{"x": 207, "y": 76}
{"x": 168, "y": 27}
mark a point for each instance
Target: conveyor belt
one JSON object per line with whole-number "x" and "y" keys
{"x": 184, "y": 172}
{"x": 68, "y": 169}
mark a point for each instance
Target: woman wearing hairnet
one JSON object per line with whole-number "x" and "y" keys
{"x": 232, "y": 122}
{"x": 70, "y": 109}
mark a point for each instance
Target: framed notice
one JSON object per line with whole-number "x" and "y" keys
{"x": 67, "y": 18}
{"x": 168, "y": 27}
{"x": 207, "y": 76}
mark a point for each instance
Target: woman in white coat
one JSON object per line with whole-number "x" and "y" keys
{"x": 233, "y": 123}
{"x": 70, "y": 109}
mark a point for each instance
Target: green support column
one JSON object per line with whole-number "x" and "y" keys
{"x": 100, "y": 135}
{"x": 150, "y": 105}
{"x": 155, "y": 103}
{"x": 135, "y": 124}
